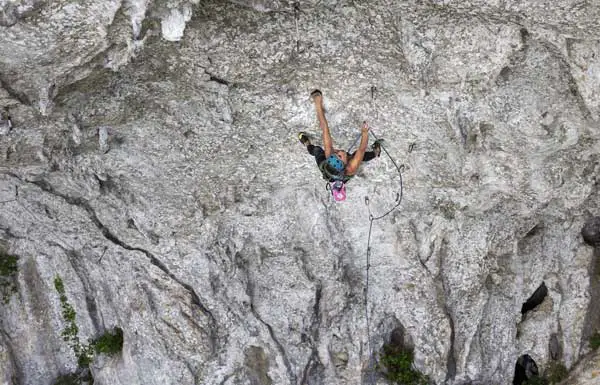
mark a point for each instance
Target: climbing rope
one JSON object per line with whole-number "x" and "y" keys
{"x": 354, "y": 143}
{"x": 398, "y": 193}
{"x": 373, "y": 218}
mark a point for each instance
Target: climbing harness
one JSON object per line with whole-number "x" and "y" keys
{"x": 336, "y": 184}
{"x": 338, "y": 190}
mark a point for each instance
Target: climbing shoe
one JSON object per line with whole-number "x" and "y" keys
{"x": 377, "y": 147}
{"x": 303, "y": 137}
{"x": 315, "y": 93}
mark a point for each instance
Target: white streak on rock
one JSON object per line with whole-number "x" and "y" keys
{"x": 103, "y": 139}
{"x": 173, "y": 25}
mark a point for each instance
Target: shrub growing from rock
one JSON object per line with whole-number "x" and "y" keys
{"x": 556, "y": 372}
{"x": 536, "y": 380}
{"x": 67, "y": 379}
{"x": 110, "y": 343}
{"x": 8, "y": 272}
{"x": 396, "y": 363}
{"x": 595, "y": 341}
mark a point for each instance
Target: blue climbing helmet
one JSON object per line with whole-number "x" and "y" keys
{"x": 335, "y": 163}
{"x": 332, "y": 168}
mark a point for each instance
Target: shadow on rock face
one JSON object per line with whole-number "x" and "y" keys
{"x": 257, "y": 365}
{"x": 525, "y": 369}
{"x": 395, "y": 361}
{"x": 555, "y": 347}
{"x": 591, "y": 231}
{"x": 536, "y": 298}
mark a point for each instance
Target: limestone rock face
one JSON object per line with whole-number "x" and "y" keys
{"x": 152, "y": 164}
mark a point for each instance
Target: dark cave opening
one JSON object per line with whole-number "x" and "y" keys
{"x": 536, "y": 298}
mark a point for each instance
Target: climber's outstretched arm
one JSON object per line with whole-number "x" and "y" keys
{"x": 327, "y": 142}
{"x": 355, "y": 161}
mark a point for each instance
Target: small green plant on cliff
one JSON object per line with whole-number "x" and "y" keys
{"x": 595, "y": 341}
{"x": 81, "y": 377}
{"x": 67, "y": 379}
{"x": 84, "y": 353}
{"x": 556, "y": 372}
{"x": 8, "y": 272}
{"x": 396, "y": 363}
{"x": 110, "y": 343}
{"x": 536, "y": 380}
{"x": 69, "y": 333}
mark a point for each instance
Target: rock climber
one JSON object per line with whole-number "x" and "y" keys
{"x": 337, "y": 166}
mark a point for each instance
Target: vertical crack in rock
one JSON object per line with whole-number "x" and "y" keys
{"x": 80, "y": 202}
{"x": 592, "y": 318}
{"x": 565, "y": 69}
{"x": 419, "y": 241}
{"x": 316, "y": 319}
{"x": 313, "y": 360}
{"x": 17, "y": 377}
{"x": 451, "y": 363}
{"x": 304, "y": 265}
{"x": 315, "y": 325}
{"x": 554, "y": 346}
{"x": 286, "y": 361}
{"x": 193, "y": 372}
{"x": 307, "y": 368}
{"x": 463, "y": 123}
{"x": 478, "y": 344}
{"x": 314, "y": 372}
{"x": 443, "y": 293}
{"x": 75, "y": 260}
{"x": 280, "y": 348}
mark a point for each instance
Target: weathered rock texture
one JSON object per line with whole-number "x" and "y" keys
{"x": 153, "y": 166}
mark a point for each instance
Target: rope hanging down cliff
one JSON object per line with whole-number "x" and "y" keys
{"x": 373, "y": 218}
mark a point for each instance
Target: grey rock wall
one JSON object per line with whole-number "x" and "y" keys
{"x": 153, "y": 165}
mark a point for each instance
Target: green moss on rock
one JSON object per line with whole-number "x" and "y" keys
{"x": 595, "y": 341}
{"x": 8, "y": 274}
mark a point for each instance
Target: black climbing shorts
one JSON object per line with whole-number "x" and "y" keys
{"x": 319, "y": 154}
